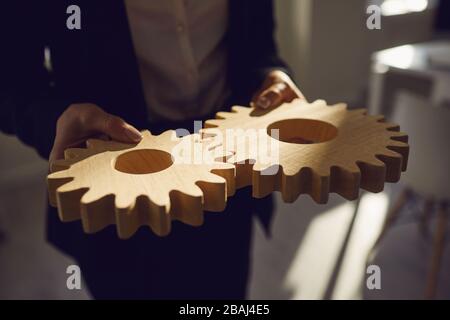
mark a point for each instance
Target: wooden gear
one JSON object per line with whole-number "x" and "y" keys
{"x": 133, "y": 185}
{"x": 322, "y": 149}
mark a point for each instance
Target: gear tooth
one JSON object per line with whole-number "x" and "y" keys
{"x": 91, "y": 196}
{"x": 241, "y": 109}
{"x": 72, "y": 185}
{"x": 214, "y": 190}
{"x": 243, "y": 173}
{"x": 212, "y": 177}
{"x": 341, "y": 106}
{"x": 292, "y": 186}
{"x": 265, "y": 179}
{"x": 226, "y": 166}
{"x": 163, "y": 201}
{"x": 68, "y": 201}
{"x": 345, "y": 181}
{"x": 146, "y": 134}
{"x": 373, "y": 174}
{"x": 395, "y": 159}
{"x": 320, "y": 185}
{"x": 350, "y": 167}
{"x": 195, "y": 137}
{"x": 127, "y": 219}
{"x": 391, "y": 153}
{"x": 213, "y": 123}
{"x": 227, "y": 172}
{"x": 168, "y": 135}
{"x": 266, "y": 169}
{"x": 206, "y": 140}
{"x": 319, "y": 102}
{"x": 373, "y": 161}
{"x": 391, "y": 126}
{"x": 187, "y": 208}
{"x": 61, "y": 174}
{"x": 224, "y": 115}
{"x": 75, "y": 153}
{"x": 398, "y": 144}
{"x": 61, "y": 164}
{"x": 96, "y": 212}
{"x": 124, "y": 201}
{"x": 377, "y": 118}
{"x": 232, "y": 159}
{"x": 193, "y": 191}
{"x": 260, "y": 167}
{"x": 289, "y": 170}
{"x": 54, "y": 181}
{"x": 399, "y": 136}
{"x": 209, "y": 132}
{"x": 127, "y": 222}
{"x": 153, "y": 215}
{"x": 403, "y": 150}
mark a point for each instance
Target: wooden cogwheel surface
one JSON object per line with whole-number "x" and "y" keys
{"x": 144, "y": 184}
{"x": 322, "y": 149}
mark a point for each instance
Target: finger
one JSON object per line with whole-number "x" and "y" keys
{"x": 268, "y": 81}
{"x": 271, "y": 97}
{"x": 293, "y": 91}
{"x": 56, "y": 154}
{"x": 119, "y": 130}
{"x": 115, "y": 127}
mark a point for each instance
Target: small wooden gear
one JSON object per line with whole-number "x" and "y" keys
{"x": 144, "y": 184}
{"x": 322, "y": 149}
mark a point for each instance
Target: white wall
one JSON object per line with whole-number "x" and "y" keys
{"x": 328, "y": 46}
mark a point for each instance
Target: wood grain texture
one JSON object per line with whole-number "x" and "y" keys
{"x": 321, "y": 149}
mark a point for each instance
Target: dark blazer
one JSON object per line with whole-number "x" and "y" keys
{"x": 97, "y": 64}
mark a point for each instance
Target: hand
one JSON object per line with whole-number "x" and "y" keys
{"x": 82, "y": 121}
{"x": 276, "y": 89}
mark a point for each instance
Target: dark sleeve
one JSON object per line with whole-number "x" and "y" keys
{"x": 29, "y": 106}
{"x": 252, "y": 47}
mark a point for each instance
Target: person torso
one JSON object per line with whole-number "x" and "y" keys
{"x": 181, "y": 53}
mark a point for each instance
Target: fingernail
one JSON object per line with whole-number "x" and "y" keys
{"x": 133, "y": 134}
{"x": 263, "y": 102}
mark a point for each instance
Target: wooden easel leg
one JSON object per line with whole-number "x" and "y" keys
{"x": 436, "y": 255}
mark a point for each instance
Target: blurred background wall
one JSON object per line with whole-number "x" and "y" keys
{"x": 329, "y": 46}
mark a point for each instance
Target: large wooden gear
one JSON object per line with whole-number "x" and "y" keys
{"x": 321, "y": 149}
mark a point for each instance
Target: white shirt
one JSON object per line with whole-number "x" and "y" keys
{"x": 181, "y": 54}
